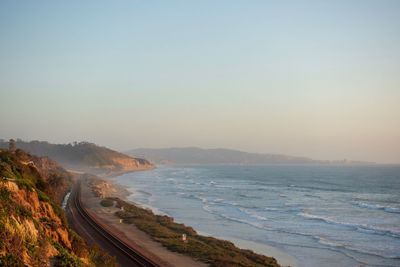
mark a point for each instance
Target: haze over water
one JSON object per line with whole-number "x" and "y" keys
{"x": 322, "y": 215}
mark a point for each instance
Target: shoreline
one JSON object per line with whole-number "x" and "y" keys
{"x": 128, "y": 232}
{"x": 282, "y": 257}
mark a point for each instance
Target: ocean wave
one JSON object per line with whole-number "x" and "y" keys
{"x": 358, "y": 226}
{"x": 232, "y": 218}
{"x": 254, "y": 224}
{"x": 213, "y": 201}
{"x": 328, "y": 242}
{"x": 253, "y": 214}
{"x": 365, "y": 250}
{"x": 243, "y": 215}
{"x": 171, "y": 180}
{"x": 224, "y": 186}
{"x": 246, "y": 196}
{"x": 333, "y": 244}
{"x": 144, "y": 192}
{"x": 279, "y": 213}
{"x": 208, "y": 209}
{"x": 272, "y": 209}
{"x": 299, "y": 188}
{"x": 312, "y": 196}
{"x": 373, "y": 206}
{"x": 191, "y": 196}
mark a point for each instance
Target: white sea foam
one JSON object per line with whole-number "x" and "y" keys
{"x": 253, "y": 214}
{"x": 328, "y": 242}
{"x": 271, "y": 209}
{"x": 375, "y": 206}
{"x": 357, "y": 226}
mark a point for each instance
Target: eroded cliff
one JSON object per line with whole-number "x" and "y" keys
{"x": 33, "y": 228}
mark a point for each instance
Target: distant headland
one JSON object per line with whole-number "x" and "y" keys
{"x": 195, "y": 155}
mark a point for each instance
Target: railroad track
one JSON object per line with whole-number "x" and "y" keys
{"x": 116, "y": 242}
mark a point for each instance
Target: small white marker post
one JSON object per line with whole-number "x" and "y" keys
{"x": 184, "y": 240}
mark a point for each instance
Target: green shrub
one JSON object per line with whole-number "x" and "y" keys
{"x": 67, "y": 260}
{"x": 156, "y": 229}
{"x": 30, "y": 247}
{"x": 42, "y": 196}
{"x": 4, "y": 194}
{"x": 107, "y": 202}
{"x": 79, "y": 246}
{"x": 64, "y": 258}
{"x": 59, "y": 212}
{"x": 21, "y": 211}
{"x": 11, "y": 260}
{"x": 101, "y": 259}
{"x": 2, "y": 231}
{"x": 25, "y": 184}
{"x": 36, "y": 223}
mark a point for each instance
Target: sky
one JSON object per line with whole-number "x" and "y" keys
{"x": 307, "y": 78}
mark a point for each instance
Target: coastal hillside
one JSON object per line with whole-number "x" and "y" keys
{"x": 83, "y": 156}
{"x": 194, "y": 155}
{"x": 33, "y": 228}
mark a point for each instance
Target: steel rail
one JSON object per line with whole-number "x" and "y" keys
{"x": 119, "y": 244}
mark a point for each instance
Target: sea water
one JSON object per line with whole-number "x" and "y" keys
{"x": 321, "y": 215}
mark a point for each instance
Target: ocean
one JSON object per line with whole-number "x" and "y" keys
{"x": 320, "y": 215}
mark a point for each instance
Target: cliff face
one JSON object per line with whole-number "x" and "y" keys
{"x": 32, "y": 231}
{"x": 33, "y": 228}
{"x": 128, "y": 163}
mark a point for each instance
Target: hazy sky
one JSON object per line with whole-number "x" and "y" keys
{"x": 309, "y": 78}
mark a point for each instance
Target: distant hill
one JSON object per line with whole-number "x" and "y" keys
{"x": 194, "y": 155}
{"x": 84, "y": 156}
